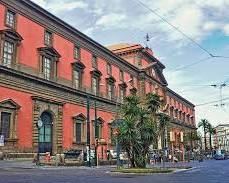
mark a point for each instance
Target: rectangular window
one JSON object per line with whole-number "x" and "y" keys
{"x": 94, "y": 62}
{"x": 8, "y": 53}
{"x": 122, "y": 94}
{"x": 48, "y": 38}
{"x": 132, "y": 80}
{"x": 110, "y": 91}
{"x": 121, "y": 75}
{"x": 10, "y": 18}
{"x": 94, "y": 85}
{"x": 47, "y": 67}
{"x": 77, "y": 79}
{"x": 109, "y": 69}
{"x": 171, "y": 112}
{"x": 5, "y": 124}
{"x": 98, "y": 131}
{"x": 77, "y": 53}
{"x": 150, "y": 87}
{"x": 78, "y": 132}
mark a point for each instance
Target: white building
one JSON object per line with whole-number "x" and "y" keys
{"x": 221, "y": 137}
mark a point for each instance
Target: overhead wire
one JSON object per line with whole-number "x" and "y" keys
{"x": 192, "y": 64}
{"x": 211, "y": 102}
{"x": 211, "y": 55}
{"x": 176, "y": 28}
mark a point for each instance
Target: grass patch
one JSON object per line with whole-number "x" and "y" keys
{"x": 143, "y": 170}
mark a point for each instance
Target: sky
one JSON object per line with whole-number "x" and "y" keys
{"x": 189, "y": 70}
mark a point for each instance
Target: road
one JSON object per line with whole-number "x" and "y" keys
{"x": 211, "y": 171}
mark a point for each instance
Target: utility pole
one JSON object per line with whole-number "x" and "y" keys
{"x": 96, "y": 135}
{"x": 220, "y": 87}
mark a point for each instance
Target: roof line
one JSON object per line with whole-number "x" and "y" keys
{"x": 127, "y": 47}
{"x": 182, "y": 98}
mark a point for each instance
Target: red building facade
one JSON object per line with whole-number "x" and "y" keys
{"x": 48, "y": 70}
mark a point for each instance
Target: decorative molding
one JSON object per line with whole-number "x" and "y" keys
{"x": 40, "y": 87}
{"x": 9, "y": 103}
{"x": 49, "y": 52}
{"x": 55, "y": 109}
{"x": 12, "y": 34}
{"x": 111, "y": 80}
{"x": 78, "y": 65}
{"x": 96, "y": 73}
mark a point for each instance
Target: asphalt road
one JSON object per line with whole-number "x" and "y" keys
{"x": 211, "y": 171}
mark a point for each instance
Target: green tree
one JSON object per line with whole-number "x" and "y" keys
{"x": 163, "y": 123}
{"x": 189, "y": 138}
{"x": 204, "y": 124}
{"x": 153, "y": 103}
{"x": 137, "y": 131}
{"x": 211, "y": 132}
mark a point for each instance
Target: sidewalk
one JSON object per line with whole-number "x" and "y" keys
{"x": 25, "y": 164}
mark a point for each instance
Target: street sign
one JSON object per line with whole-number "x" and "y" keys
{"x": 1, "y": 140}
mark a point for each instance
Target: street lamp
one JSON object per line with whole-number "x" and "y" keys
{"x": 89, "y": 131}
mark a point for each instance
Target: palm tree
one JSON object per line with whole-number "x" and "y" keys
{"x": 211, "y": 132}
{"x": 137, "y": 131}
{"x": 204, "y": 124}
{"x": 153, "y": 103}
{"x": 163, "y": 123}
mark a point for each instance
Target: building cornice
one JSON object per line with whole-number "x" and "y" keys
{"x": 12, "y": 73}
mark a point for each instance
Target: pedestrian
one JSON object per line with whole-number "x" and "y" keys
{"x": 121, "y": 158}
{"x": 170, "y": 157}
{"x": 109, "y": 156}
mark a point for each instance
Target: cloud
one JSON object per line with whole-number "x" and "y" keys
{"x": 59, "y": 6}
{"x": 210, "y": 26}
{"x": 42, "y": 3}
{"x": 226, "y": 29}
{"x": 111, "y": 20}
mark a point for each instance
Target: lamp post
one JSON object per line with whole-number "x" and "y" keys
{"x": 96, "y": 136}
{"x": 39, "y": 126}
{"x": 88, "y": 148}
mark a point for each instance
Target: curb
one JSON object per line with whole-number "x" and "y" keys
{"x": 184, "y": 170}
{"x": 138, "y": 174}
